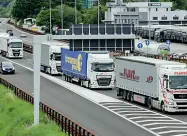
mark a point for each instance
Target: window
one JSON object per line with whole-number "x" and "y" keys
{"x": 175, "y": 18}
{"x": 136, "y": 21}
{"x": 164, "y": 18}
{"x": 185, "y": 17}
{"x": 109, "y": 9}
{"x": 125, "y": 21}
{"x": 119, "y": 20}
{"x": 132, "y": 21}
{"x": 129, "y": 21}
{"x": 155, "y": 18}
{"x": 133, "y": 10}
{"x": 115, "y": 20}
{"x": 156, "y": 9}
{"x": 127, "y": 9}
{"x": 166, "y": 9}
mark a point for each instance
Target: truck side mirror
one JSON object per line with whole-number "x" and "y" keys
{"x": 51, "y": 56}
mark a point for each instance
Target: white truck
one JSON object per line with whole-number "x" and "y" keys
{"x": 51, "y": 56}
{"x": 157, "y": 83}
{"x": 11, "y": 47}
{"x": 90, "y": 69}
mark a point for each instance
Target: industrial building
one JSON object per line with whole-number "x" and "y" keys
{"x": 138, "y": 13}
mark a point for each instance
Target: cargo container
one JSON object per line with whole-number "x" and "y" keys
{"x": 157, "y": 83}
{"x": 90, "y": 69}
{"x": 51, "y": 56}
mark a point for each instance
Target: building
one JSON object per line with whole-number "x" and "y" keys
{"x": 138, "y": 12}
{"x": 93, "y": 37}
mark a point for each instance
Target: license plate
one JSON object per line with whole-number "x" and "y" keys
{"x": 16, "y": 54}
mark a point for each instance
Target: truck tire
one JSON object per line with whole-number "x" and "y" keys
{"x": 128, "y": 96}
{"x": 124, "y": 94}
{"x": 149, "y": 102}
{"x": 162, "y": 107}
{"x": 132, "y": 97}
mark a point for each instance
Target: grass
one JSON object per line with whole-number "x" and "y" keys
{"x": 16, "y": 118}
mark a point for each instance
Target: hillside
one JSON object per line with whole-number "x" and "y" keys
{"x": 5, "y": 7}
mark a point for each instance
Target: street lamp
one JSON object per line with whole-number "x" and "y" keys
{"x": 62, "y": 16}
{"x": 98, "y": 13}
{"x": 75, "y": 11}
{"x": 50, "y": 16}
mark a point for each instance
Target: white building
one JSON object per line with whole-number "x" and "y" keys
{"x": 160, "y": 13}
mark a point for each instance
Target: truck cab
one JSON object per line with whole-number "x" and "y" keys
{"x": 100, "y": 70}
{"x": 175, "y": 89}
{"x": 51, "y": 56}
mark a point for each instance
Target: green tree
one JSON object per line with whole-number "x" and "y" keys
{"x": 43, "y": 18}
{"x": 90, "y": 15}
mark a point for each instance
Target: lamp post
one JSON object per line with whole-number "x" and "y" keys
{"x": 50, "y": 17}
{"x": 62, "y": 16}
{"x": 75, "y": 11}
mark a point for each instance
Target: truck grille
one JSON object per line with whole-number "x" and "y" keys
{"x": 16, "y": 50}
{"x": 104, "y": 81}
{"x": 181, "y": 103}
{"x": 58, "y": 68}
{"x": 180, "y": 96}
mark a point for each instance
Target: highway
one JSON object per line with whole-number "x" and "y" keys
{"x": 93, "y": 117}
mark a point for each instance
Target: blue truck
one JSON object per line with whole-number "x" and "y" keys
{"x": 90, "y": 69}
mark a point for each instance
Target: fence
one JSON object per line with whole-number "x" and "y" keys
{"x": 67, "y": 125}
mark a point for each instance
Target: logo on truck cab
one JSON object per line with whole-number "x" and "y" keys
{"x": 149, "y": 79}
{"x": 129, "y": 75}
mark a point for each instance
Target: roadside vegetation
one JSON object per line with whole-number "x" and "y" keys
{"x": 16, "y": 118}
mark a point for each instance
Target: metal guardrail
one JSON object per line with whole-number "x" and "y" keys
{"x": 67, "y": 125}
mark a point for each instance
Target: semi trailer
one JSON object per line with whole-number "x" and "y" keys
{"x": 157, "y": 83}
{"x": 90, "y": 69}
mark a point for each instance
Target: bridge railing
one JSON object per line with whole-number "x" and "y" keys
{"x": 67, "y": 125}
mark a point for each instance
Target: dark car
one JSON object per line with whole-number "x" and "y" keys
{"x": 10, "y": 32}
{"x": 7, "y": 67}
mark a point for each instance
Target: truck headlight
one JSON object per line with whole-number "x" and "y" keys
{"x": 170, "y": 103}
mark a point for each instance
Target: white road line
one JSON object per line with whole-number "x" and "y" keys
{"x": 156, "y": 123}
{"x": 180, "y": 135}
{"x": 139, "y": 114}
{"x": 165, "y": 132}
{"x": 141, "y": 121}
{"x": 125, "y": 106}
{"x": 144, "y": 117}
{"x": 138, "y": 111}
{"x": 155, "y": 128}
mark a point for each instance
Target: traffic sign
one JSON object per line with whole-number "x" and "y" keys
{"x": 147, "y": 42}
{"x": 168, "y": 42}
{"x": 140, "y": 45}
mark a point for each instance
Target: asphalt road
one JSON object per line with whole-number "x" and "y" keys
{"x": 86, "y": 113}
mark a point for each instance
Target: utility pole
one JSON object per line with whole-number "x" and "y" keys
{"x": 75, "y": 11}
{"x": 62, "y": 15}
{"x": 50, "y": 17}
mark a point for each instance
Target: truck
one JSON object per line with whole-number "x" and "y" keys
{"x": 153, "y": 49}
{"x": 92, "y": 69}
{"x": 51, "y": 56}
{"x": 159, "y": 84}
{"x": 11, "y": 47}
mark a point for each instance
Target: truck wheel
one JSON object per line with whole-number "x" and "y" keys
{"x": 128, "y": 96}
{"x": 149, "y": 103}
{"x": 46, "y": 70}
{"x": 125, "y": 95}
{"x": 163, "y": 107}
{"x": 132, "y": 97}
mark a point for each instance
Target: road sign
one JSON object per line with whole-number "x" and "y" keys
{"x": 140, "y": 45}
{"x": 147, "y": 42}
{"x": 168, "y": 42}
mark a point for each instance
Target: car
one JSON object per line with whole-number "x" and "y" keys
{"x": 23, "y": 34}
{"x": 7, "y": 67}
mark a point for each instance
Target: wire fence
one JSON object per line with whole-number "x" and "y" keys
{"x": 67, "y": 125}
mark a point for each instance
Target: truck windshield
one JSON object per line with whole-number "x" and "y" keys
{"x": 16, "y": 45}
{"x": 103, "y": 67}
{"x": 57, "y": 56}
{"x": 178, "y": 82}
